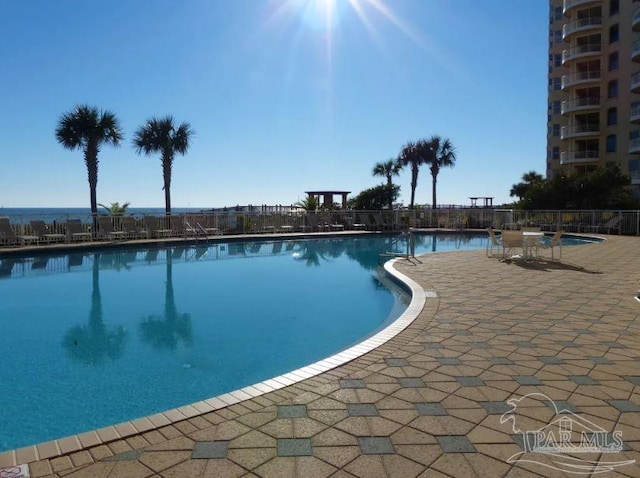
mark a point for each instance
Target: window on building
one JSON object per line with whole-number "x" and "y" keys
{"x": 612, "y": 116}
{"x": 611, "y": 143}
{"x": 558, "y": 13}
{"x": 613, "y": 61}
{"x": 614, "y": 33}
{"x": 555, "y": 153}
{"x": 556, "y": 107}
{"x": 557, "y": 59}
{"x": 556, "y": 129}
{"x": 612, "y": 89}
{"x": 557, "y": 84}
{"x": 614, "y": 7}
{"x": 557, "y": 37}
{"x": 634, "y": 168}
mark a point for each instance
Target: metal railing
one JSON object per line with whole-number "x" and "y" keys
{"x": 196, "y": 226}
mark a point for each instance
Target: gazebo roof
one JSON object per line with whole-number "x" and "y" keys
{"x": 327, "y": 192}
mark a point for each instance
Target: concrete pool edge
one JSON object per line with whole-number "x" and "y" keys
{"x": 67, "y": 445}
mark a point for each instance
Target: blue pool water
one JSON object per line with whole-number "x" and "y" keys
{"x": 93, "y": 339}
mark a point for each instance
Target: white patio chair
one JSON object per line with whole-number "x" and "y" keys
{"x": 555, "y": 244}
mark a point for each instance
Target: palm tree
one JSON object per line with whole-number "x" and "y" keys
{"x": 387, "y": 169}
{"x": 161, "y": 135}
{"x": 441, "y": 154}
{"x": 309, "y": 204}
{"x": 87, "y": 128}
{"x": 115, "y": 209}
{"x": 410, "y": 156}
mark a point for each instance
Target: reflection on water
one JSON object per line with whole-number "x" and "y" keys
{"x": 364, "y": 250}
{"x": 93, "y": 343}
{"x": 167, "y": 330}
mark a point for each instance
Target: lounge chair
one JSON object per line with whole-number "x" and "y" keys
{"x": 494, "y": 244}
{"x": 205, "y": 225}
{"x": 285, "y": 224}
{"x": 151, "y": 224}
{"x": 554, "y": 244}
{"x": 178, "y": 227}
{"x": 40, "y": 229}
{"x": 612, "y": 224}
{"x": 131, "y": 228}
{"x": 76, "y": 232}
{"x": 106, "y": 230}
{"x": 232, "y": 224}
{"x": 8, "y": 236}
{"x": 355, "y": 224}
{"x": 311, "y": 222}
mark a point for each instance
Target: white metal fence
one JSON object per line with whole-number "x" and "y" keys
{"x": 233, "y": 222}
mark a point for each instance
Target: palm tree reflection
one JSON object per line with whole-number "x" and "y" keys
{"x": 93, "y": 343}
{"x": 166, "y": 331}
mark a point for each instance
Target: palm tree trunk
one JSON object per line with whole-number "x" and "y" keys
{"x": 166, "y": 173}
{"x": 414, "y": 184}
{"x": 433, "y": 192}
{"x": 91, "y": 160}
{"x": 390, "y": 188}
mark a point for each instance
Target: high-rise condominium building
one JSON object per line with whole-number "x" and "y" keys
{"x": 594, "y": 86}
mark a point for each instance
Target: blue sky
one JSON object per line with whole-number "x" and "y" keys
{"x": 284, "y": 95}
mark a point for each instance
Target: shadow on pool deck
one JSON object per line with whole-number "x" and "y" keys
{"x": 428, "y": 402}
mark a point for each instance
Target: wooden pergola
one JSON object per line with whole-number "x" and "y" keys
{"x": 487, "y": 201}
{"x": 328, "y": 197}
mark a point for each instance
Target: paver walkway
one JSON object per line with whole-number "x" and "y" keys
{"x": 429, "y": 402}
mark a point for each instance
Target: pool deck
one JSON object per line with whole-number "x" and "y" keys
{"x": 429, "y": 402}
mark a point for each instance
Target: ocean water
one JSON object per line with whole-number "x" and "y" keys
{"x": 49, "y": 214}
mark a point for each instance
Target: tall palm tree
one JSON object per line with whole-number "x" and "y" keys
{"x": 161, "y": 135}
{"x": 410, "y": 156}
{"x": 387, "y": 169}
{"x": 88, "y": 129}
{"x": 441, "y": 154}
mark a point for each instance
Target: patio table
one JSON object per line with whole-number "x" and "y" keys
{"x": 530, "y": 241}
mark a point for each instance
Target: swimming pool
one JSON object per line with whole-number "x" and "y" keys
{"x": 94, "y": 339}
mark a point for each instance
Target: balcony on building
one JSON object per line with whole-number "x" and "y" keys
{"x": 569, "y": 5}
{"x": 581, "y": 78}
{"x": 581, "y": 51}
{"x": 580, "y": 104}
{"x": 579, "y": 131}
{"x": 635, "y": 83}
{"x": 635, "y": 51}
{"x": 581, "y": 25}
{"x": 573, "y": 157}
{"x": 635, "y": 112}
{"x": 635, "y": 20}
{"x": 634, "y": 145}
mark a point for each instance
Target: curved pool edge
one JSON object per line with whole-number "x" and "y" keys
{"x": 75, "y": 443}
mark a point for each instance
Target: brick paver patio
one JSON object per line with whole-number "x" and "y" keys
{"x": 429, "y": 402}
